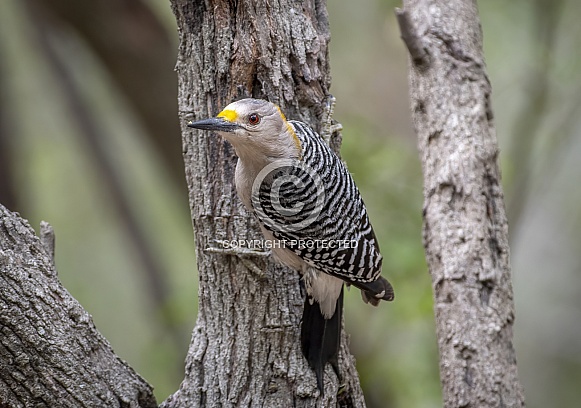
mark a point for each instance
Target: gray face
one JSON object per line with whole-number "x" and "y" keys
{"x": 254, "y": 126}
{"x": 245, "y": 116}
{"x": 254, "y": 116}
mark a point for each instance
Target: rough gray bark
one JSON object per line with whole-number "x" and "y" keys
{"x": 465, "y": 227}
{"x": 245, "y": 348}
{"x": 51, "y": 354}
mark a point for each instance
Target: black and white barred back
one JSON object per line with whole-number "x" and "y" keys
{"x": 320, "y": 216}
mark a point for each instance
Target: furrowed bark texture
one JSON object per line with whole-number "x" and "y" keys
{"x": 51, "y": 354}
{"x": 245, "y": 348}
{"x": 465, "y": 227}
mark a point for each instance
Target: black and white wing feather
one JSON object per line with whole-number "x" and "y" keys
{"x": 314, "y": 208}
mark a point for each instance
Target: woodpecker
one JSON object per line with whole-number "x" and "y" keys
{"x": 307, "y": 203}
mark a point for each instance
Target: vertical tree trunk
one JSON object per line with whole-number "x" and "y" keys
{"x": 465, "y": 227}
{"x": 245, "y": 348}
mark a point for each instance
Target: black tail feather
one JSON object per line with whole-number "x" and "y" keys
{"x": 320, "y": 338}
{"x": 373, "y": 292}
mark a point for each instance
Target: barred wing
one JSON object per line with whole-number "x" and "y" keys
{"x": 314, "y": 208}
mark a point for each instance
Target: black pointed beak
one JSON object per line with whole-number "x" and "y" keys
{"x": 215, "y": 124}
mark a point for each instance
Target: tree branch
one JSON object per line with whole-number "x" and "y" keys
{"x": 411, "y": 38}
{"x": 51, "y": 354}
{"x": 465, "y": 227}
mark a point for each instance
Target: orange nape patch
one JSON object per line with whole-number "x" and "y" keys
{"x": 295, "y": 139}
{"x": 228, "y": 114}
{"x": 281, "y": 114}
{"x": 291, "y": 131}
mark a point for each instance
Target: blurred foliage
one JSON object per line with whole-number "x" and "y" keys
{"x": 59, "y": 177}
{"x": 119, "y": 206}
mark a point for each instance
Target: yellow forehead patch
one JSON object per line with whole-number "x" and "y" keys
{"x": 228, "y": 114}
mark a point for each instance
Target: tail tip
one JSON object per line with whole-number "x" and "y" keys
{"x": 385, "y": 292}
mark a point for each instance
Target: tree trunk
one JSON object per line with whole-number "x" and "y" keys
{"x": 51, "y": 354}
{"x": 245, "y": 348}
{"x": 465, "y": 227}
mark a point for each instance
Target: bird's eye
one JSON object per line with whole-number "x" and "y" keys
{"x": 254, "y": 118}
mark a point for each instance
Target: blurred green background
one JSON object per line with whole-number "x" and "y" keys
{"x": 89, "y": 141}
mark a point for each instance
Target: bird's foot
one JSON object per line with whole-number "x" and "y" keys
{"x": 329, "y": 125}
{"x": 241, "y": 253}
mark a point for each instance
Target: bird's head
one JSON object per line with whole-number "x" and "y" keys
{"x": 256, "y": 128}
